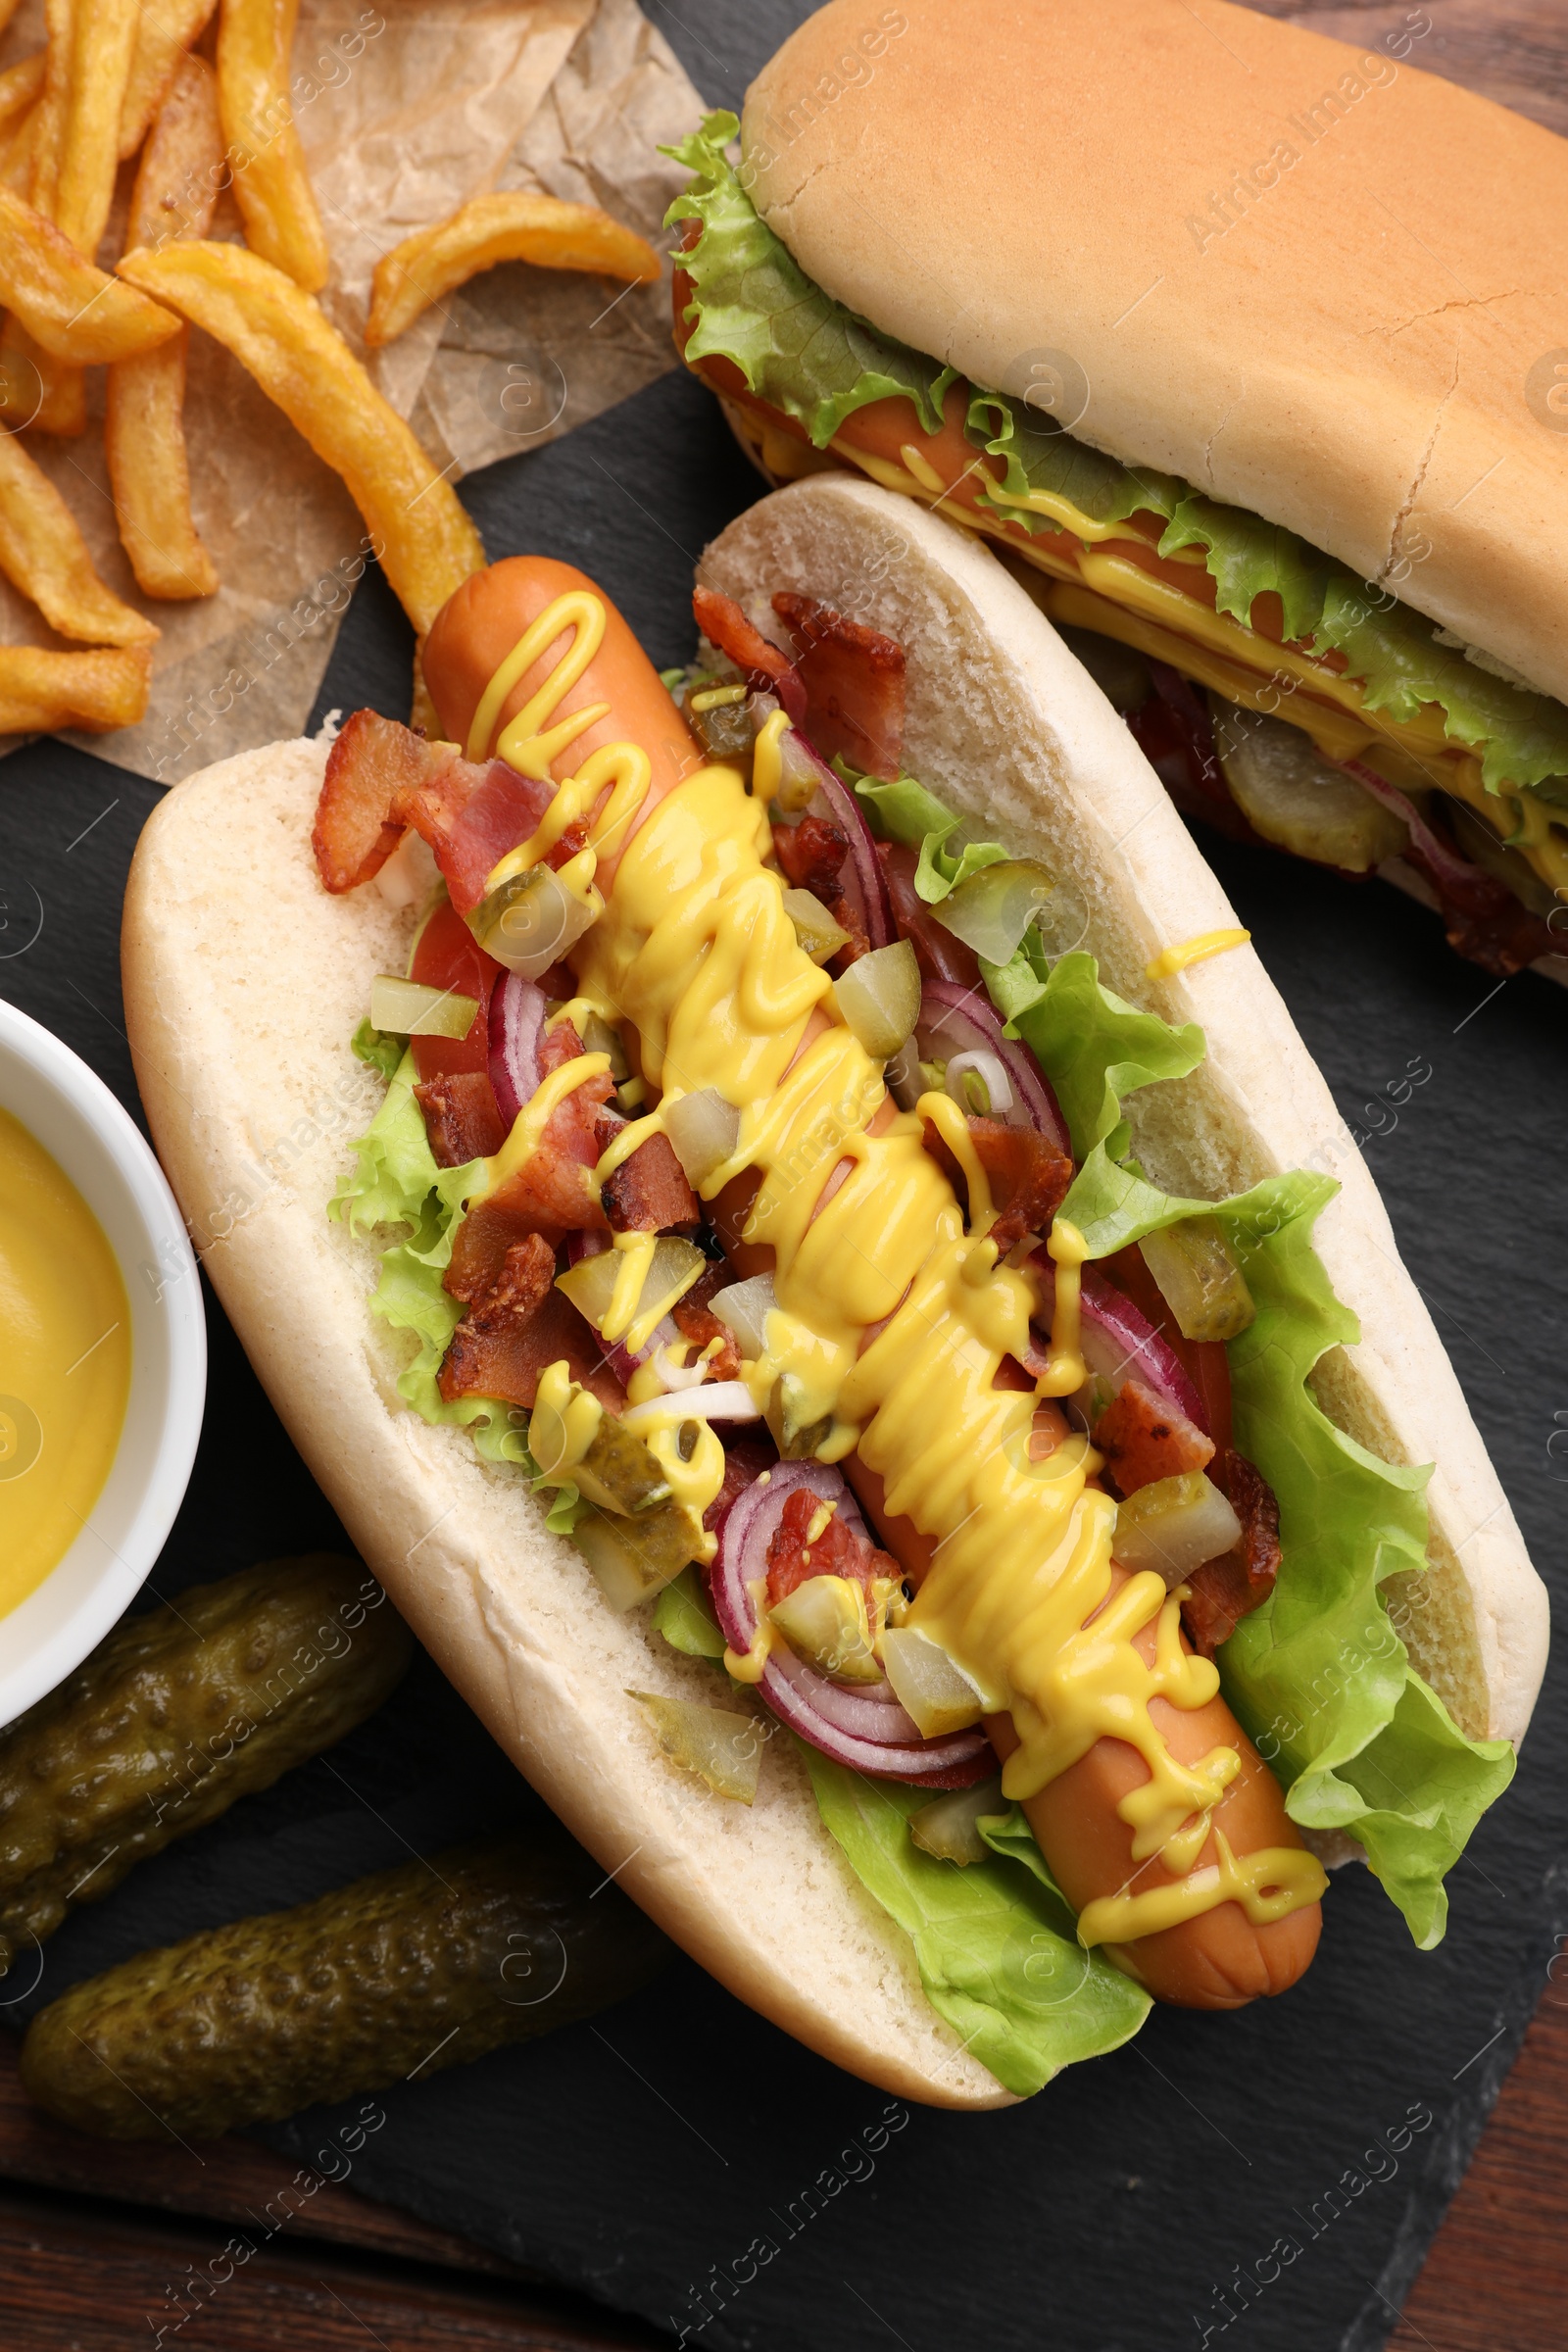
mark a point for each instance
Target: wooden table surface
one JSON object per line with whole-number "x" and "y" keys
{"x": 95, "y": 2240}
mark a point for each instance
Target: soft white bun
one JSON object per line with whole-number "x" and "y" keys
{"x": 244, "y": 982}
{"x": 1366, "y": 356}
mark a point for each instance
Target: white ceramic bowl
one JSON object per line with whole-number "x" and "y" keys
{"x": 79, "y": 1123}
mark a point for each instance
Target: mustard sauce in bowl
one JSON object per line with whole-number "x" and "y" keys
{"x": 65, "y": 1361}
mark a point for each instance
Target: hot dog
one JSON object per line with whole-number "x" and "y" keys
{"x": 790, "y": 1318}
{"x": 1216, "y": 1960}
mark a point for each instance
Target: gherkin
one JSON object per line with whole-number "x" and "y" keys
{"x": 415, "y": 1968}
{"x": 177, "y": 1714}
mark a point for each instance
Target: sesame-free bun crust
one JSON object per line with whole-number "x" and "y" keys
{"x": 244, "y": 982}
{"x": 1366, "y": 355}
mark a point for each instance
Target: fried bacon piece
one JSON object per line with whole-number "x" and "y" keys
{"x": 518, "y": 1322}
{"x": 1225, "y": 1591}
{"x": 1028, "y": 1174}
{"x": 649, "y": 1192}
{"x": 839, "y": 1550}
{"x": 1143, "y": 1439}
{"x": 768, "y": 669}
{"x": 505, "y": 1356}
{"x": 370, "y": 763}
{"x": 812, "y": 855}
{"x": 461, "y": 1116}
{"x": 940, "y": 955}
{"x": 696, "y": 1321}
{"x": 382, "y": 778}
{"x": 854, "y": 681}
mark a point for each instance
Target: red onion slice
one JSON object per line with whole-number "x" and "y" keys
{"x": 1471, "y": 889}
{"x": 516, "y": 1025}
{"x": 964, "y": 1020}
{"x": 1120, "y": 1344}
{"x": 869, "y": 1734}
{"x": 862, "y": 878}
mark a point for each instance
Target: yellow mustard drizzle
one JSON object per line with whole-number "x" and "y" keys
{"x": 529, "y": 1125}
{"x": 694, "y": 937}
{"x": 1171, "y": 960}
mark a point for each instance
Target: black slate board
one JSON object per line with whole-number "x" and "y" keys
{"x": 661, "y": 2157}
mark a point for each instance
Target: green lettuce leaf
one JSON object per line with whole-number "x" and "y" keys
{"x": 1042, "y": 456}
{"x": 395, "y": 1181}
{"x": 374, "y": 1046}
{"x": 810, "y": 357}
{"x": 684, "y": 1615}
{"x": 996, "y": 1942}
{"x": 1094, "y": 1048}
{"x": 797, "y": 349}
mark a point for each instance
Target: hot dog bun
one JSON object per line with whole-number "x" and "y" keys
{"x": 240, "y": 1030}
{"x": 1373, "y": 370}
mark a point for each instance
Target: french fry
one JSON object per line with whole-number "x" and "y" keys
{"x": 425, "y": 541}
{"x": 44, "y": 555}
{"x": 51, "y": 123}
{"x": 36, "y": 388}
{"x": 20, "y": 86}
{"x": 144, "y": 434}
{"x": 514, "y": 226}
{"x": 72, "y": 309}
{"x": 271, "y": 181}
{"x": 164, "y": 30}
{"x": 42, "y": 691}
{"x": 102, "y": 32}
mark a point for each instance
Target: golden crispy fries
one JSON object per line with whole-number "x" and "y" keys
{"x": 75, "y": 311}
{"x": 178, "y": 181}
{"x": 36, "y": 388}
{"x": 427, "y": 544}
{"x": 102, "y": 32}
{"x": 144, "y": 434}
{"x": 41, "y": 692}
{"x": 17, "y": 140}
{"x": 270, "y": 182}
{"x": 44, "y": 555}
{"x": 51, "y": 121}
{"x": 164, "y": 30}
{"x": 20, "y": 85}
{"x": 507, "y": 228}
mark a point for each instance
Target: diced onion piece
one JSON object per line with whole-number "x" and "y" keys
{"x": 1174, "y": 1526}
{"x": 1294, "y": 798}
{"x": 530, "y": 921}
{"x": 714, "y": 1401}
{"x": 824, "y": 1622}
{"x": 673, "y": 1377}
{"x": 978, "y": 1082}
{"x": 745, "y": 1307}
{"x": 948, "y": 1827}
{"x": 799, "y": 775}
{"x": 927, "y": 1682}
{"x": 995, "y": 908}
{"x": 818, "y": 934}
{"x": 591, "y": 1283}
{"x": 1199, "y": 1279}
{"x": 635, "y": 1559}
{"x": 704, "y": 1131}
{"x": 721, "y": 1748}
{"x": 408, "y": 1008}
{"x": 879, "y": 997}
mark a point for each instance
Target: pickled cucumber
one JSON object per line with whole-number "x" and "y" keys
{"x": 1294, "y": 798}
{"x": 418, "y": 1967}
{"x": 177, "y": 1714}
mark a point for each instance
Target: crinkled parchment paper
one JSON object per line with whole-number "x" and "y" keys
{"x": 406, "y": 109}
